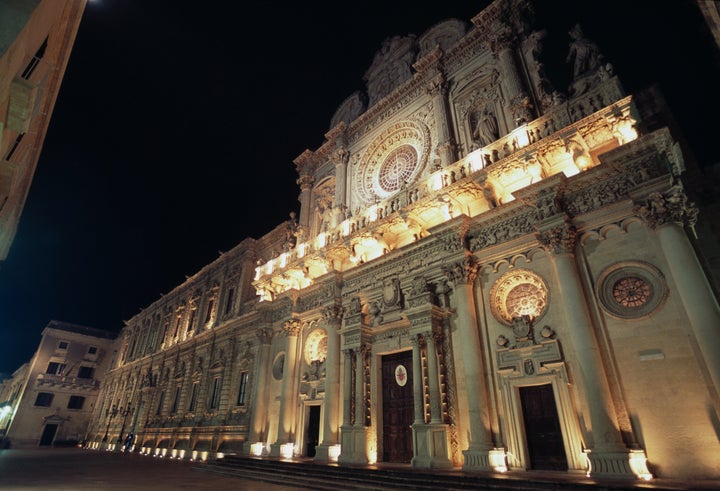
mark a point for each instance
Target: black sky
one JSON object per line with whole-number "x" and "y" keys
{"x": 177, "y": 123}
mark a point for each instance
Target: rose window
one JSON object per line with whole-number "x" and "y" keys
{"x": 631, "y": 292}
{"x": 316, "y": 346}
{"x": 518, "y": 293}
{"x": 525, "y": 299}
{"x": 398, "y": 168}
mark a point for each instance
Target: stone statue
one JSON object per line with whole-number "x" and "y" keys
{"x": 584, "y": 53}
{"x": 486, "y": 128}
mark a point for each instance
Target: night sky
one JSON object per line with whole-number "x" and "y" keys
{"x": 177, "y": 123}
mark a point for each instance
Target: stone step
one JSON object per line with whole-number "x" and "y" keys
{"x": 332, "y": 477}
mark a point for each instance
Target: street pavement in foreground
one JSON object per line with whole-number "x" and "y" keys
{"x": 78, "y": 469}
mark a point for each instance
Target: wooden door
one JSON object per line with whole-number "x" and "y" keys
{"x": 542, "y": 428}
{"x": 398, "y": 406}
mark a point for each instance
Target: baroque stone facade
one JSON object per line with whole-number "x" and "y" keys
{"x": 484, "y": 274}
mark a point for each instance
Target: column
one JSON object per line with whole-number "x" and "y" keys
{"x": 347, "y": 388}
{"x": 354, "y": 436}
{"x": 305, "y": 182}
{"x": 446, "y": 144}
{"x": 466, "y": 322}
{"x": 431, "y": 440}
{"x": 608, "y": 455}
{"x": 516, "y": 99}
{"x": 360, "y": 387}
{"x": 287, "y": 403}
{"x": 667, "y": 213}
{"x": 341, "y": 160}
{"x": 333, "y": 318}
{"x": 418, "y": 391}
{"x": 433, "y": 377}
{"x": 258, "y": 419}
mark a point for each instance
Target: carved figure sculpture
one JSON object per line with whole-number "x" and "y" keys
{"x": 486, "y": 129}
{"x": 583, "y": 53}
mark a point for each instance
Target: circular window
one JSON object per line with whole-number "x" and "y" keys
{"x": 631, "y": 290}
{"x": 518, "y": 293}
{"x": 398, "y": 168}
{"x": 316, "y": 346}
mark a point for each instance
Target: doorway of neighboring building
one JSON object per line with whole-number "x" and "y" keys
{"x": 48, "y": 435}
{"x": 398, "y": 407}
{"x": 542, "y": 428}
{"x": 312, "y": 434}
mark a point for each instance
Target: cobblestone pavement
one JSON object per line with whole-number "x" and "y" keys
{"x": 78, "y": 469}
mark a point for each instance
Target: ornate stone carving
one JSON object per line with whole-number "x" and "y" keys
{"x": 333, "y": 314}
{"x": 558, "y": 240}
{"x": 391, "y": 66}
{"x": 516, "y": 294}
{"x": 292, "y": 327}
{"x": 671, "y": 206}
{"x": 631, "y": 290}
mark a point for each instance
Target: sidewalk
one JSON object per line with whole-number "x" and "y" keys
{"x": 79, "y": 469}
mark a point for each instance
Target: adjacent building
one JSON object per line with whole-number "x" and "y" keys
{"x": 36, "y": 37}
{"x": 485, "y": 273}
{"x": 49, "y": 401}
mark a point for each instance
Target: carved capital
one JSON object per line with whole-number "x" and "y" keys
{"x": 333, "y": 315}
{"x": 341, "y": 156}
{"x": 462, "y": 272}
{"x": 669, "y": 207}
{"x": 305, "y": 182}
{"x": 437, "y": 86}
{"x": 292, "y": 327}
{"x": 558, "y": 240}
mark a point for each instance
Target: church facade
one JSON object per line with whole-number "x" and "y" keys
{"x": 484, "y": 274}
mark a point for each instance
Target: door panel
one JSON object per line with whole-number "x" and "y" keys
{"x": 398, "y": 407}
{"x": 542, "y": 428}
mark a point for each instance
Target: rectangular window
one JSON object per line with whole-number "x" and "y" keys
{"x": 230, "y": 299}
{"x": 193, "y": 397}
{"x": 209, "y": 313}
{"x": 175, "y": 400}
{"x": 85, "y": 372}
{"x": 160, "y": 403}
{"x": 92, "y": 350}
{"x": 215, "y": 399}
{"x": 44, "y": 399}
{"x": 191, "y": 320}
{"x": 76, "y": 402}
{"x": 178, "y": 321}
{"x": 243, "y": 389}
{"x": 55, "y": 368}
{"x": 63, "y": 345}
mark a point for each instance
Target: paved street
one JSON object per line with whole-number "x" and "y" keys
{"x": 78, "y": 469}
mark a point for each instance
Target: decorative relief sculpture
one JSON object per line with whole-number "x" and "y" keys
{"x": 671, "y": 206}
{"x": 485, "y": 130}
{"x": 518, "y": 294}
{"x": 558, "y": 240}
